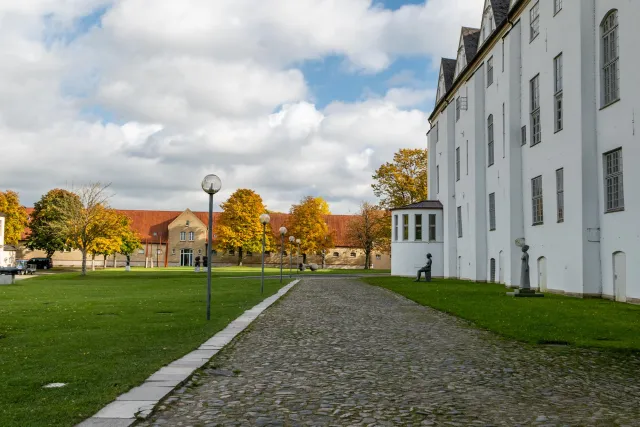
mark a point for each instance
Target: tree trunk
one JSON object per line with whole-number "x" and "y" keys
{"x": 115, "y": 263}
{"x": 240, "y": 256}
{"x": 50, "y": 253}
{"x": 367, "y": 259}
{"x": 84, "y": 262}
{"x": 105, "y": 263}
{"x": 304, "y": 258}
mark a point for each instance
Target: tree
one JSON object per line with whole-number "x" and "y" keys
{"x": 45, "y": 212}
{"x": 369, "y": 230}
{"x": 15, "y": 216}
{"x": 84, "y": 219}
{"x": 111, "y": 241}
{"x": 130, "y": 239}
{"x": 239, "y": 225}
{"x": 404, "y": 181}
{"x": 307, "y": 223}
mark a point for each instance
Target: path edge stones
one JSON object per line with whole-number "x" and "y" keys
{"x": 139, "y": 402}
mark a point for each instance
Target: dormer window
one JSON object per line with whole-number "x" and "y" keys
{"x": 461, "y": 62}
{"x": 487, "y": 23}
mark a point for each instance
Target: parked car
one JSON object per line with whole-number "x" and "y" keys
{"x": 41, "y": 263}
{"x": 24, "y": 267}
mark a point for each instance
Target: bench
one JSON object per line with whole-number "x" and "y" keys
{"x": 5, "y": 272}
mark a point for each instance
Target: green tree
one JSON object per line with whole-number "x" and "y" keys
{"x": 370, "y": 230}
{"x": 46, "y": 211}
{"x": 404, "y": 181}
{"x": 15, "y": 216}
{"x": 239, "y": 226}
{"x": 307, "y": 223}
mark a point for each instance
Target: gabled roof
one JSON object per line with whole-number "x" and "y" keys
{"x": 448, "y": 69}
{"x": 470, "y": 38}
{"x": 425, "y": 204}
{"x": 500, "y": 11}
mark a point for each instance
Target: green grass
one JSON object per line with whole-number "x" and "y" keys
{"x": 552, "y": 319}
{"x": 102, "y": 334}
{"x": 246, "y": 271}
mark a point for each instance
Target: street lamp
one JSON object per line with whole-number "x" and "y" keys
{"x": 291, "y": 240}
{"x": 264, "y": 220}
{"x": 298, "y": 253}
{"x": 283, "y": 231}
{"x": 211, "y": 184}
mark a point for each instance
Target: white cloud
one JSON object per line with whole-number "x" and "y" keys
{"x": 200, "y": 86}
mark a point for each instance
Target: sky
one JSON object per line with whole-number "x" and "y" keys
{"x": 289, "y": 98}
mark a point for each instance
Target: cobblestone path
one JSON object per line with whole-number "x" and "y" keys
{"x": 339, "y": 352}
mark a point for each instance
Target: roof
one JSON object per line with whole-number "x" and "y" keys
{"x": 425, "y": 204}
{"x": 147, "y": 222}
{"x": 500, "y": 11}
{"x": 448, "y": 70}
{"x": 470, "y": 38}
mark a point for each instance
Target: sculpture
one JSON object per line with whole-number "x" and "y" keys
{"x": 205, "y": 262}
{"x": 525, "y": 281}
{"x": 426, "y": 270}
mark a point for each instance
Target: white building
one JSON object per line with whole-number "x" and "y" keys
{"x": 533, "y": 122}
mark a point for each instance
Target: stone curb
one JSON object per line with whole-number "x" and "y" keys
{"x": 138, "y": 403}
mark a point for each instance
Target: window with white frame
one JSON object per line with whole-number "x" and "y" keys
{"x": 458, "y": 108}
{"x": 560, "y": 193}
{"x": 534, "y": 15}
{"x": 432, "y": 227}
{"x": 459, "y": 221}
{"x": 536, "y": 128}
{"x": 405, "y": 227}
{"x": 610, "y": 58}
{"x": 490, "y": 148}
{"x": 536, "y": 200}
{"x": 490, "y": 71}
{"x": 395, "y": 228}
{"x": 523, "y": 135}
{"x": 183, "y": 236}
{"x": 557, "y": 87}
{"x": 614, "y": 189}
{"x": 458, "y": 164}
{"x": 492, "y": 211}
{"x": 418, "y": 227}
{"x": 557, "y": 6}
{"x": 192, "y": 236}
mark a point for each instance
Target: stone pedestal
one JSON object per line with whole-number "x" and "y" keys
{"x": 525, "y": 293}
{"x": 7, "y": 279}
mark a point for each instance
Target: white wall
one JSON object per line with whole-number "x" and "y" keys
{"x": 410, "y": 255}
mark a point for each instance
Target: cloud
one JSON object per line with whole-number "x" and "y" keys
{"x": 182, "y": 89}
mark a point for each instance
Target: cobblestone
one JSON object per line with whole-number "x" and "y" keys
{"x": 337, "y": 352}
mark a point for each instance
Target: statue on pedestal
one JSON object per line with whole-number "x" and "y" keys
{"x": 426, "y": 270}
{"x": 525, "y": 280}
{"x": 205, "y": 262}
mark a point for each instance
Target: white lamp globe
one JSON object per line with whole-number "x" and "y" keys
{"x": 264, "y": 219}
{"x": 211, "y": 184}
{"x": 292, "y": 239}
{"x": 283, "y": 231}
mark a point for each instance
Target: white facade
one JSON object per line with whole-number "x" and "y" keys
{"x": 417, "y": 231}
{"x": 545, "y": 62}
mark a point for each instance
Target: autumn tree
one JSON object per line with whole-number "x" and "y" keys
{"x": 15, "y": 216}
{"x": 307, "y": 223}
{"x": 111, "y": 241}
{"x": 130, "y": 239}
{"x": 239, "y": 226}
{"x": 46, "y": 211}
{"x": 403, "y": 181}
{"x": 85, "y": 219}
{"x": 369, "y": 230}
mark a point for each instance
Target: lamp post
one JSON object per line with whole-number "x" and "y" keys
{"x": 264, "y": 220}
{"x": 283, "y": 231}
{"x": 211, "y": 184}
{"x": 291, "y": 240}
{"x": 298, "y": 253}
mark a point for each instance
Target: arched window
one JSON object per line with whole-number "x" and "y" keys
{"x": 492, "y": 268}
{"x": 490, "y": 139}
{"x": 610, "y": 58}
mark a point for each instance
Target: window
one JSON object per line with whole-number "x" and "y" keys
{"x": 232, "y": 251}
{"x": 490, "y": 72}
{"x": 458, "y": 164}
{"x": 613, "y": 180}
{"x": 534, "y": 14}
{"x": 467, "y": 152}
{"x": 557, "y": 6}
{"x": 560, "y": 193}
{"x": 395, "y": 228}
{"x": 557, "y": 88}
{"x": 437, "y": 183}
{"x": 432, "y": 227}
{"x": 173, "y": 251}
{"x": 192, "y": 236}
{"x": 490, "y": 138}
{"x": 249, "y": 253}
{"x": 610, "y": 56}
{"x": 141, "y": 251}
{"x": 336, "y": 254}
{"x": 418, "y": 230}
{"x": 199, "y": 251}
{"x": 187, "y": 223}
{"x": 457, "y": 109}
{"x": 459, "y": 221}
{"x": 492, "y": 268}
{"x": 523, "y": 135}
{"x": 378, "y": 257}
{"x": 405, "y": 227}
{"x": 183, "y": 236}
{"x": 536, "y": 129}
{"x": 492, "y": 211}
{"x": 536, "y": 200}
{"x": 353, "y": 254}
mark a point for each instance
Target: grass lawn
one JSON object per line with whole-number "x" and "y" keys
{"x": 552, "y": 319}
{"x": 247, "y": 271}
{"x": 102, "y": 334}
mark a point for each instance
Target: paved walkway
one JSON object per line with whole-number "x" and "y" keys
{"x": 339, "y": 352}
